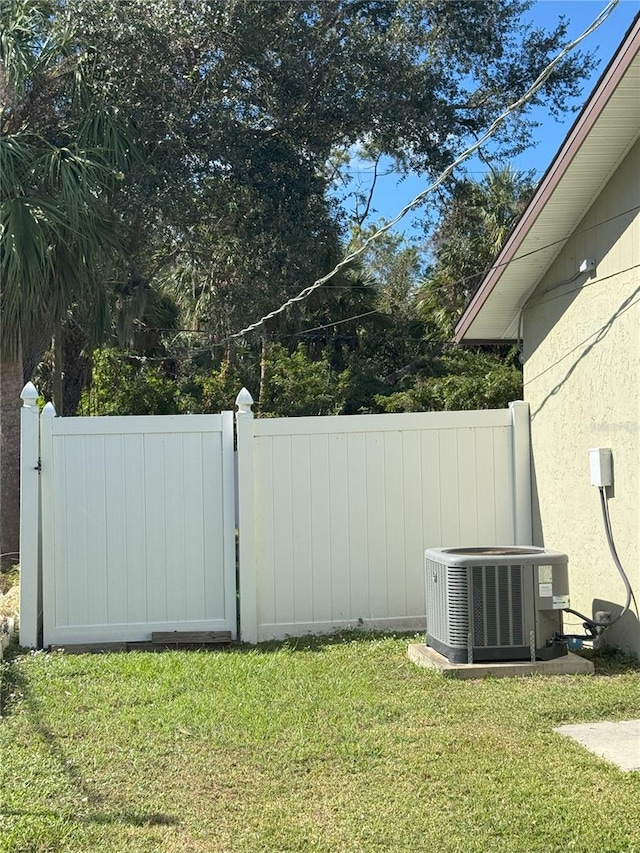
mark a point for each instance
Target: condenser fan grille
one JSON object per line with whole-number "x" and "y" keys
{"x": 458, "y": 606}
{"x": 497, "y": 605}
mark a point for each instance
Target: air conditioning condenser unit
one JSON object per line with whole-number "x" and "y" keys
{"x": 496, "y": 603}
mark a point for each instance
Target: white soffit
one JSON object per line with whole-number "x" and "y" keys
{"x": 591, "y": 153}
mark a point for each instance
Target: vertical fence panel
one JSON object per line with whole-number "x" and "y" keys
{"x": 116, "y": 530}
{"x": 378, "y": 574}
{"x": 393, "y": 498}
{"x": 414, "y": 546}
{"x": 521, "y": 432}
{"x": 52, "y": 608}
{"x": 320, "y": 527}
{"x": 358, "y": 496}
{"x": 95, "y": 569}
{"x": 177, "y": 571}
{"x": 227, "y": 607}
{"x": 265, "y": 532}
{"x": 302, "y": 530}
{"x": 247, "y": 527}
{"x": 484, "y": 464}
{"x": 136, "y": 531}
{"x": 449, "y": 483}
{"x": 339, "y": 531}
{"x": 505, "y": 498}
{"x": 282, "y": 529}
{"x": 195, "y": 522}
{"x": 217, "y": 525}
{"x": 153, "y": 509}
{"x": 70, "y": 480}
{"x": 468, "y": 488}
{"x": 431, "y": 489}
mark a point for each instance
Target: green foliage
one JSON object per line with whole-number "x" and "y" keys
{"x": 471, "y": 232}
{"x": 125, "y": 384}
{"x": 238, "y": 109}
{"x": 467, "y": 238}
{"x": 210, "y": 392}
{"x": 395, "y": 266}
{"x": 187, "y": 160}
{"x": 63, "y": 148}
{"x": 295, "y": 386}
{"x": 458, "y": 380}
{"x": 120, "y": 387}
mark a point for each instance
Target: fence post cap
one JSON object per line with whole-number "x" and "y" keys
{"x": 29, "y": 395}
{"x": 49, "y": 411}
{"x": 244, "y": 401}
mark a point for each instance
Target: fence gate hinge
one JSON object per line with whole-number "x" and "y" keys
{"x": 38, "y": 467}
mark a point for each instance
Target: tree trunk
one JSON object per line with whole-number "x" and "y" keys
{"x": 11, "y": 385}
{"x": 76, "y": 368}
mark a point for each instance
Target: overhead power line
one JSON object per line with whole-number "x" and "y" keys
{"x": 538, "y": 83}
{"x": 302, "y": 332}
{"x": 462, "y": 280}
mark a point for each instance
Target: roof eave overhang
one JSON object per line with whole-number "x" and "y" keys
{"x": 522, "y": 242}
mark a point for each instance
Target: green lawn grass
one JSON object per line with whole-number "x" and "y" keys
{"x": 311, "y": 745}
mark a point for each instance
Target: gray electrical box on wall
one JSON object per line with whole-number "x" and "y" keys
{"x": 495, "y": 603}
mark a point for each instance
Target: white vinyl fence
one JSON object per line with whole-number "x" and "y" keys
{"x": 135, "y": 516}
{"x": 336, "y": 512}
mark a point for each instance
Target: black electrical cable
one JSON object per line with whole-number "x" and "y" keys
{"x": 588, "y": 624}
{"x": 592, "y": 632}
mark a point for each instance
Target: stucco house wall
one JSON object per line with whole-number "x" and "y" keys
{"x": 582, "y": 380}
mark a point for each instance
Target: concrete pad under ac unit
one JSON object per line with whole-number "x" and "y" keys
{"x": 568, "y": 664}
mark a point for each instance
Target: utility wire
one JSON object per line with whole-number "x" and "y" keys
{"x": 538, "y": 300}
{"x": 497, "y": 266}
{"x": 538, "y": 83}
{"x": 331, "y": 325}
{"x": 462, "y": 280}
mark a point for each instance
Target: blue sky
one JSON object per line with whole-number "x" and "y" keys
{"x": 391, "y": 195}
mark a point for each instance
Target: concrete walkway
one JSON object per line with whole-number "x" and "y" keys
{"x": 615, "y": 742}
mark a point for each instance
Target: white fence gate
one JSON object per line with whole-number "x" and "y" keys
{"x": 334, "y": 514}
{"x": 138, "y": 526}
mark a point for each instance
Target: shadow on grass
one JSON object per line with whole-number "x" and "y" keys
{"x": 610, "y": 661}
{"x": 16, "y": 689}
{"x": 10, "y": 679}
{"x": 130, "y": 818}
{"x": 306, "y": 643}
{"x": 318, "y": 642}
{"x": 606, "y": 661}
